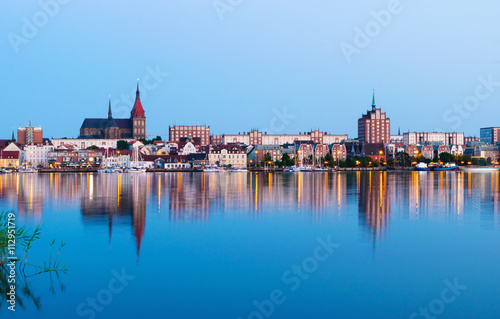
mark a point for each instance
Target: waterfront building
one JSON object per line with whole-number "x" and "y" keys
{"x": 339, "y": 152}
{"x": 320, "y": 151}
{"x": 374, "y": 150}
{"x": 167, "y": 161}
{"x": 256, "y": 137}
{"x": 374, "y": 126}
{"x": 9, "y": 159}
{"x": 427, "y": 151}
{"x": 74, "y": 157}
{"x": 82, "y": 144}
{"x": 489, "y": 135}
{"x": 177, "y": 132}
{"x": 412, "y": 150}
{"x": 37, "y": 155}
{"x": 258, "y": 152}
{"x": 422, "y": 138}
{"x": 224, "y": 155}
{"x": 111, "y": 128}
{"x": 492, "y": 152}
{"x": 29, "y": 135}
{"x": 438, "y": 149}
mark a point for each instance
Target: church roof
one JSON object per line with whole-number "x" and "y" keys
{"x": 138, "y": 110}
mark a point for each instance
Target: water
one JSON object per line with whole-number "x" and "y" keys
{"x": 229, "y": 245}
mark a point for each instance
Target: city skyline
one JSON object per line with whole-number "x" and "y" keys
{"x": 226, "y": 64}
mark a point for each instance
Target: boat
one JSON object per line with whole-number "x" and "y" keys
{"x": 447, "y": 167}
{"x": 135, "y": 170}
{"x": 480, "y": 169}
{"x": 27, "y": 170}
{"x": 213, "y": 169}
{"x": 421, "y": 167}
{"x": 238, "y": 170}
{"x": 288, "y": 170}
{"x": 320, "y": 169}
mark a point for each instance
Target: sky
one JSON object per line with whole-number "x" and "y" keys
{"x": 282, "y": 66}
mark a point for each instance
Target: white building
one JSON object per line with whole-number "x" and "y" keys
{"x": 256, "y": 137}
{"x": 228, "y": 155}
{"x": 415, "y": 138}
{"x": 37, "y": 155}
{"x": 119, "y": 161}
{"x": 81, "y": 143}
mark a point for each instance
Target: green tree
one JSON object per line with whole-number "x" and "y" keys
{"x": 328, "y": 160}
{"x": 122, "y": 145}
{"x": 488, "y": 161}
{"x": 365, "y": 161}
{"x": 446, "y": 157}
{"x": 390, "y": 162}
{"x": 403, "y": 159}
{"x": 266, "y": 158}
{"x": 93, "y": 147}
{"x": 286, "y": 160}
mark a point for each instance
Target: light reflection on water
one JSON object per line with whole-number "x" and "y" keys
{"x": 136, "y": 204}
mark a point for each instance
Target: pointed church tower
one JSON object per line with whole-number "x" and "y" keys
{"x": 373, "y": 101}
{"x": 138, "y": 117}
{"x": 110, "y": 116}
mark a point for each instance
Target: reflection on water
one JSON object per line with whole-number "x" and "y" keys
{"x": 123, "y": 200}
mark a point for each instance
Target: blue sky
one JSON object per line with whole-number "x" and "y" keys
{"x": 240, "y": 64}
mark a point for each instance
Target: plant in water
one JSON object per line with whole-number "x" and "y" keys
{"x": 24, "y": 241}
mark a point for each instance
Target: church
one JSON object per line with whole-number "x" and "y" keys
{"x": 133, "y": 127}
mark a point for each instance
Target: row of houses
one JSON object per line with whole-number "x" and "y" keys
{"x": 190, "y": 152}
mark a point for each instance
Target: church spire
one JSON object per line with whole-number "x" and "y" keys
{"x": 13, "y": 136}
{"x": 373, "y": 101}
{"x": 137, "y": 93}
{"x": 110, "y": 116}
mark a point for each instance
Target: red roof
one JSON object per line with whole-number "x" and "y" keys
{"x": 137, "y": 111}
{"x": 9, "y": 155}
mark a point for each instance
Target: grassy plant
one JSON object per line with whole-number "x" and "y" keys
{"x": 25, "y": 239}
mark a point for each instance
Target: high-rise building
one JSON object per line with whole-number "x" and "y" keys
{"x": 30, "y": 135}
{"x": 374, "y": 126}
{"x": 489, "y": 135}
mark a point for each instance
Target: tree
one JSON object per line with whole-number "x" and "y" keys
{"x": 488, "y": 161}
{"x": 365, "y": 161}
{"x": 403, "y": 158}
{"x": 93, "y": 147}
{"x": 390, "y": 161}
{"x": 266, "y": 158}
{"x": 286, "y": 160}
{"x": 328, "y": 160}
{"x": 446, "y": 157}
{"x": 122, "y": 145}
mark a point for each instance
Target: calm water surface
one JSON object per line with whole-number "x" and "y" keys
{"x": 253, "y": 245}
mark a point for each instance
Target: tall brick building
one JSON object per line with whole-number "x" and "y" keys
{"x": 110, "y": 128}
{"x": 30, "y": 135}
{"x": 177, "y": 132}
{"x": 374, "y": 126}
